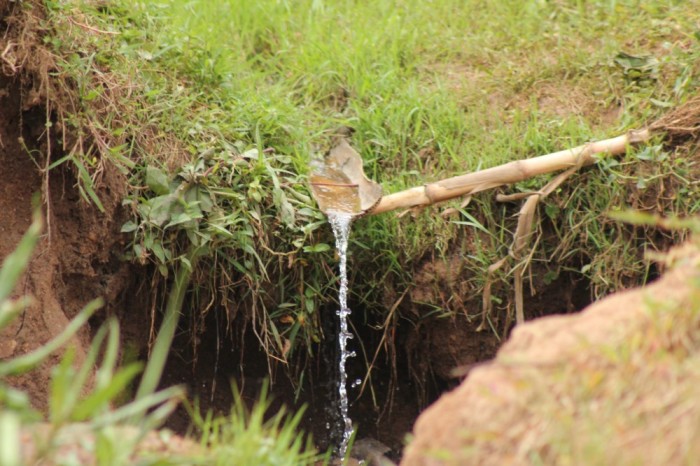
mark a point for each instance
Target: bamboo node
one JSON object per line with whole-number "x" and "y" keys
{"x": 428, "y": 190}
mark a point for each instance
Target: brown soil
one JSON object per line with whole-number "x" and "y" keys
{"x": 77, "y": 258}
{"x": 489, "y": 416}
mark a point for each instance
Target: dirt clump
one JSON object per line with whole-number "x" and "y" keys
{"x": 611, "y": 384}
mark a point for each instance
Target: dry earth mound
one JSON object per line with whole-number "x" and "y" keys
{"x": 615, "y": 384}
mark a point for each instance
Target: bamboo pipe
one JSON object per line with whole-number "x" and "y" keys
{"x": 508, "y": 173}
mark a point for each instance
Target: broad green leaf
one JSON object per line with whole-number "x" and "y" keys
{"x": 157, "y": 180}
{"x": 129, "y": 226}
{"x": 160, "y": 210}
{"x": 157, "y": 249}
{"x": 204, "y": 199}
{"x": 628, "y": 61}
{"x": 285, "y": 209}
{"x": 320, "y": 247}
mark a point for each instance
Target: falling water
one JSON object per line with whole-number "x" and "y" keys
{"x": 341, "y": 229}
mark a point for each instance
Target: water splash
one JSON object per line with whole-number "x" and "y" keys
{"x": 340, "y": 222}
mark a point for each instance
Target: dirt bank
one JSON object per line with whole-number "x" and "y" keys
{"x": 615, "y": 384}
{"x": 77, "y": 258}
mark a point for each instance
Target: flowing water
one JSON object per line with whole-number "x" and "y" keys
{"x": 341, "y": 229}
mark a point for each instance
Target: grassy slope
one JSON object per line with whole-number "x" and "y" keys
{"x": 433, "y": 89}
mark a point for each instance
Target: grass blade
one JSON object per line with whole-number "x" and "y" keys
{"x": 28, "y": 361}
{"x": 14, "y": 264}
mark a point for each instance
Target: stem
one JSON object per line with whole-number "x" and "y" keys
{"x": 161, "y": 348}
{"x": 508, "y": 173}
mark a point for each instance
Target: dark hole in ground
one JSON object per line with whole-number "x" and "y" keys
{"x": 385, "y": 413}
{"x": 418, "y": 368}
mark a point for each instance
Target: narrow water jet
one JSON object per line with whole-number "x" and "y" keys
{"x": 340, "y": 222}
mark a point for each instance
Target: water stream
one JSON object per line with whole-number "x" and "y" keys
{"x": 340, "y": 222}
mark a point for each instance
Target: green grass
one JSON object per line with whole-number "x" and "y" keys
{"x": 197, "y": 89}
{"x": 255, "y": 436}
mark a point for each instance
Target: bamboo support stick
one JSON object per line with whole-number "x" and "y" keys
{"x": 508, "y": 173}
